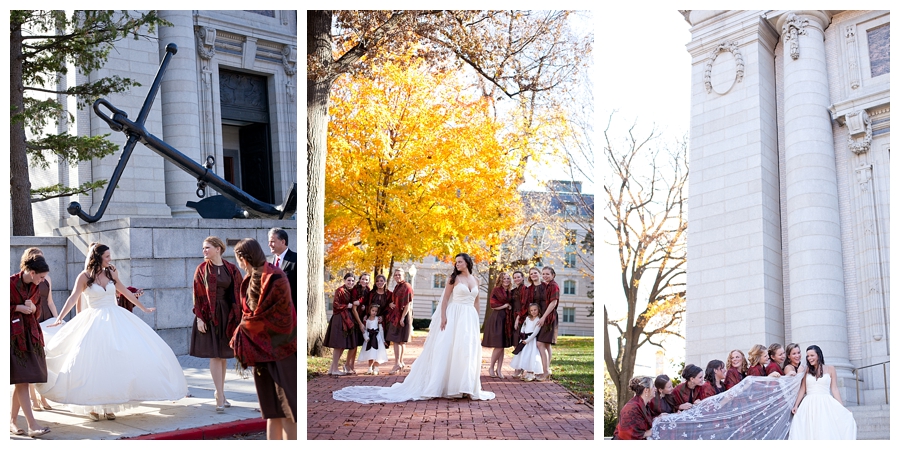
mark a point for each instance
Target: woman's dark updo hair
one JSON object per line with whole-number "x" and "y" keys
{"x": 820, "y": 365}
{"x": 35, "y": 264}
{"x": 660, "y": 384}
{"x": 639, "y": 384}
{"x": 250, "y": 251}
{"x": 690, "y": 371}
{"x": 469, "y": 265}
{"x": 95, "y": 263}
{"x": 348, "y": 275}
{"x": 711, "y": 370}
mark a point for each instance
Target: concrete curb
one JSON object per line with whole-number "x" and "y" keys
{"x": 208, "y": 432}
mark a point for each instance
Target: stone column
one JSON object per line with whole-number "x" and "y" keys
{"x": 180, "y": 109}
{"x": 818, "y": 306}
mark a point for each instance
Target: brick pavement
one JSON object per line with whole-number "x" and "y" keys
{"x": 521, "y": 410}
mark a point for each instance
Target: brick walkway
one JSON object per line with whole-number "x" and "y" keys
{"x": 520, "y": 411}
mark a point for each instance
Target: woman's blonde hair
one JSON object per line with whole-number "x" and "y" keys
{"x": 216, "y": 242}
{"x": 743, "y": 368}
{"x": 756, "y": 354}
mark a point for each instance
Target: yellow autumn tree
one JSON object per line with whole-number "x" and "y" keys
{"x": 415, "y": 167}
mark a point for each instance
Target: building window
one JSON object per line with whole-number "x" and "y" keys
{"x": 571, "y": 209}
{"x": 571, "y": 238}
{"x": 569, "y": 287}
{"x": 434, "y": 306}
{"x": 407, "y": 277}
{"x": 440, "y": 281}
{"x": 568, "y": 315}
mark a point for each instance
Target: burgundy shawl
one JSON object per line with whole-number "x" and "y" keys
{"x": 24, "y": 326}
{"x": 268, "y": 333}
{"x": 403, "y": 295}
{"x": 205, "y": 295}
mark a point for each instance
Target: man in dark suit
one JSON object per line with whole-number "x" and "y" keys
{"x": 284, "y": 258}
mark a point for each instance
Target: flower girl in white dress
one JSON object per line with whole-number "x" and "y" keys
{"x": 373, "y": 349}
{"x": 528, "y": 359}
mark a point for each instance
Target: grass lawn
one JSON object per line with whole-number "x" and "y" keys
{"x": 572, "y": 366}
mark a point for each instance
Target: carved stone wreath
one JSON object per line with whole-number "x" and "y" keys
{"x": 859, "y": 125}
{"x": 738, "y": 64}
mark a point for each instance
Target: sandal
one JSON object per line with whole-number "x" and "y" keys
{"x": 47, "y": 407}
{"x": 36, "y": 407}
{"x": 38, "y": 432}
{"x": 226, "y": 404}
{"x": 14, "y": 429}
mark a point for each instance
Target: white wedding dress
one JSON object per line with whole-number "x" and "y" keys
{"x": 106, "y": 359}
{"x": 820, "y": 416}
{"x": 449, "y": 365}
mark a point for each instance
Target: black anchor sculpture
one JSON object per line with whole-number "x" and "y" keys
{"x": 136, "y": 132}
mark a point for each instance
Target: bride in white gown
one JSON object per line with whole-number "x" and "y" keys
{"x": 450, "y": 363}
{"x": 106, "y": 357}
{"x": 818, "y": 414}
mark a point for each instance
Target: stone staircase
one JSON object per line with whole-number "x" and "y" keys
{"x": 873, "y": 422}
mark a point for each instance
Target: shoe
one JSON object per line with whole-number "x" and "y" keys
{"x": 337, "y": 374}
{"x": 542, "y": 377}
{"x": 529, "y": 377}
{"x": 220, "y": 409}
{"x": 38, "y": 432}
{"x": 395, "y": 370}
{"x": 226, "y": 404}
{"x": 95, "y": 417}
{"x": 375, "y": 372}
{"x": 36, "y": 407}
{"x": 47, "y": 407}
{"x": 370, "y": 371}
{"x": 348, "y": 370}
{"x": 110, "y": 416}
{"x": 14, "y": 429}
{"x": 491, "y": 372}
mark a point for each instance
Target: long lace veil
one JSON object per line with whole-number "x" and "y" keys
{"x": 756, "y": 408}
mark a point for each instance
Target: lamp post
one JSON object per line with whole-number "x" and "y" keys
{"x": 412, "y": 273}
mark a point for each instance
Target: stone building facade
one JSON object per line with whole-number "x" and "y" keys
{"x": 230, "y": 93}
{"x": 790, "y": 175}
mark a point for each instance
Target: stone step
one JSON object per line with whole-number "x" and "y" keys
{"x": 873, "y": 422}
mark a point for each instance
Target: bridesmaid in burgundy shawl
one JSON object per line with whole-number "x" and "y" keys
{"x": 217, "y": 312}
{"x": 340, "y": 333}
{"x": 715, "y": 379}
{"x": 399, "y": 328}
{"x": 519, "y": 307}
{"x": 498, "y": 327}
{"x": 380, "y": 295}
{"x": 547, "y": 296}
{"x": 635, "y": 419}
{"x": 688, "y": 392}
{"x": 360, "y": 296}
{"x": 267, "y": 339}
{"x": 737, "y": 368}
{"x": 777, "y": 357}
{"x": 27, "y": 363}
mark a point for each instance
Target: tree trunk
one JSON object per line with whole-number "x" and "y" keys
{"x": 319, "y": 46}
{"x": 19, "y": 180}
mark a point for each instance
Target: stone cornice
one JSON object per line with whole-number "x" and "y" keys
{"x": 873, "y": 100}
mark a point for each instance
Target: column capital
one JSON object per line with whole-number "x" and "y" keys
{"x": 817, "y": 18}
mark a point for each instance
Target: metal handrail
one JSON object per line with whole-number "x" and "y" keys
{"x": 883, "y": 365}
{"x": 137, "y": 132}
